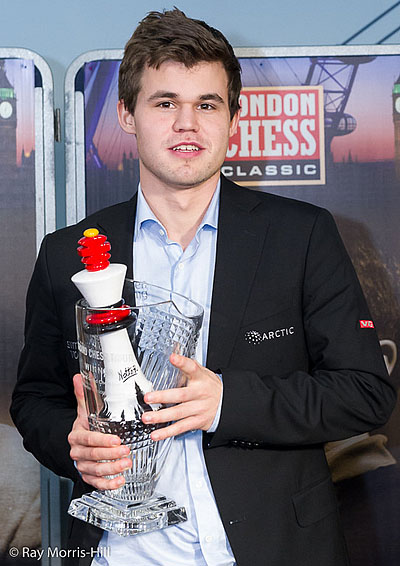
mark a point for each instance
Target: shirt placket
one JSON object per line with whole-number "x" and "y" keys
{"x": 210, "y": 531}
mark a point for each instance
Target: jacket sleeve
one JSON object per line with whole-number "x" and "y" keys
{"x": 345, "y": 389}
{"x": 43, "y": 404}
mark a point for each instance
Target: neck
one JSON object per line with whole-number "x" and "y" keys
{"x": 180, "y": 210}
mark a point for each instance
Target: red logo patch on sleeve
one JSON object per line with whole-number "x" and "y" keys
{"x": 366, "y": 324}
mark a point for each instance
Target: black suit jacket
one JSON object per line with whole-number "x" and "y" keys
{"x": 298, "y": 370}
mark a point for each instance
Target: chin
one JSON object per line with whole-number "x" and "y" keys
{"x": 193, "y": 180}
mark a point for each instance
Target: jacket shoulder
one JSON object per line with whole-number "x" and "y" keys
{"x": 107, "y": 215}
{"x": 58, "y": 248}
{"x": 276, "y": 206}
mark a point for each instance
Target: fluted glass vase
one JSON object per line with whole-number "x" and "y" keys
{"x": 124, "y": 353}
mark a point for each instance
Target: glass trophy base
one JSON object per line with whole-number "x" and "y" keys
{"x": 126, "y": 518}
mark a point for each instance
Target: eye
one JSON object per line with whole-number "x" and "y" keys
{"x": 206, "y": 106}
{"x": 165, "y": 104}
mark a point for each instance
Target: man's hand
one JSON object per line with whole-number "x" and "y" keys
{"x": 195, "y": 405}
{"x": 88, "y": 448}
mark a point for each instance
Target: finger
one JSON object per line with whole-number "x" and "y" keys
{"x": 103, "y": 483}
{"x": 82, "y": 437}
{"x": 84, "y": 453}
{"x": 169, "y": 396}
{"x": 186, "y": 365}
{"x": 180, "y": 427}
{"x": 79, "y": 394}
{"x": 174, "y": 413}
{"x": 103, "y": 469}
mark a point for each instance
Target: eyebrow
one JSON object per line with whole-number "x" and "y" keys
{"x": 162, "y": 94}
{"x": 167, "y": 94}
{"x": 212, "y": 96}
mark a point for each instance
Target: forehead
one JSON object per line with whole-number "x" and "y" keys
{"x": 194, "y": 81}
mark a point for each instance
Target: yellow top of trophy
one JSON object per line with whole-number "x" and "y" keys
{"x": 91, "y": 232}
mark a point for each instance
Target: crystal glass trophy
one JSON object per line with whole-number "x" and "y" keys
{"x": 124, "y": 353}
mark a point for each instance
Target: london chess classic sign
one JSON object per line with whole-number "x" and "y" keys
{"x": 280, "y": 137}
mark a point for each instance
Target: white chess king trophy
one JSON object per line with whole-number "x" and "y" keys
{"x": 124, "y": 353}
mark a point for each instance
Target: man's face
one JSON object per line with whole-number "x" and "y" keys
{"x": 182, "y": 123}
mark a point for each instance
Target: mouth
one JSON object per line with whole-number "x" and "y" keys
{"x": 187, "y": 148}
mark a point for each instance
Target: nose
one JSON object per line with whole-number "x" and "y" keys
{"x": 186, "y": 119}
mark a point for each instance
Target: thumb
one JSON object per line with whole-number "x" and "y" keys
{"x": 79, "y": 394}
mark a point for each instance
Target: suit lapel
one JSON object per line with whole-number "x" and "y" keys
{"x": 241, "y": 235}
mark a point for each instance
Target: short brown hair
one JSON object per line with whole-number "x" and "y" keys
{"x": 171, "y": 35}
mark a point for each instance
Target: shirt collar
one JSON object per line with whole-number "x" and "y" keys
{"x": 145, "y": 214}
{"x": 143, "y": 211}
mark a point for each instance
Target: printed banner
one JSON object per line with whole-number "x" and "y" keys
{"x": 326, "y": 130}
{"x": 280, "y": 137}
{"x": 19, "y": 471}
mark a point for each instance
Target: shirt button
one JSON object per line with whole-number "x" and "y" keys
{"x": 180, "y": 266}
{"x": 199, "y": 484}
{"x": 161, "y": 232}
{"x": 209, "y": 538}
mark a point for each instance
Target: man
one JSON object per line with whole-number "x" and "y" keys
{"x": 284, "y": 364}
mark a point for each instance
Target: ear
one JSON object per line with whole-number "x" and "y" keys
{"x": 234, "y": 124}
{"x": 125, "y": 118}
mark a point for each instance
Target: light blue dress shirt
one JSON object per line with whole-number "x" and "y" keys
{"x": 201, "y": 540}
